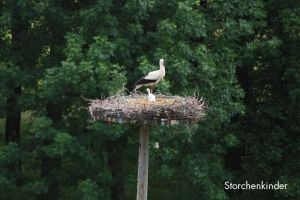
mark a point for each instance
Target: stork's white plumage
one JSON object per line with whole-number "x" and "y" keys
{"x": 156, "y": 145}
{"x": 150, "y": 97}
{"x": 152, "y": 78}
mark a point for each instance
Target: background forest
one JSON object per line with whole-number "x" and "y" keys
{"x": 241, "y": 56}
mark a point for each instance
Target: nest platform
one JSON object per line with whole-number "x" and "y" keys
{"x": 135, "y": 108}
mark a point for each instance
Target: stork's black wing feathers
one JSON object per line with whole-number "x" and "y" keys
{"x": 143, "y": 81}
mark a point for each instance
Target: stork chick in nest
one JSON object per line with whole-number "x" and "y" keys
{"x": 152, "y": 78}
{"x": 150, "y": 97}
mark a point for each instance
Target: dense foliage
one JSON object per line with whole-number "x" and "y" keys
{"x": 241, "y": 56}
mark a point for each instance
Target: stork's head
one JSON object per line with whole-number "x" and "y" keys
{"x": 148, "y": 90}
{"x": 161, "y": 61}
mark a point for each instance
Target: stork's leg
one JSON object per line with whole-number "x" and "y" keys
{"x": 151, "y": 88}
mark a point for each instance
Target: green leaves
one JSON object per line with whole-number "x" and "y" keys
{"x": 86, "y": 75}
{"x": 88, "y": 190}
{"x": 291, "y": 21}
{"x": 241, "y": 56}
{"x": 35, "y": 188}
{"x": 231, "y": 140}
{"x": 9, "y": 154}
{"x": 100, "y": 50}
{"x": 73, "y": 48}
{"x": 49, "y": 140}
{"x": 62, "y": 144}
{"x": 108, "y": 132}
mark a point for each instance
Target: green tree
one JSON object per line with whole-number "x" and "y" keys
{"x": 268, "y": 130}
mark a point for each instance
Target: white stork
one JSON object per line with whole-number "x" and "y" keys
{"x": 150, "y": 97}
{"x": 152, "y": 78}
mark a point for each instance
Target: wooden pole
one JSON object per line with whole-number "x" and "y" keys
{"x": 143, "y": 163}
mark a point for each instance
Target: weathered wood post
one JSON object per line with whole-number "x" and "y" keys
{"x": 143, "y": 163}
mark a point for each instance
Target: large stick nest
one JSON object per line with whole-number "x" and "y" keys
{"x": 135, "y": 108}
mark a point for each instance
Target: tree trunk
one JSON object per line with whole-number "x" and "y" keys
{"x": 50, "y": 166}
{"x": 13, "y": 107}
{"x": 50, "y": 169}
{"x": 13, "y": 117}
{"x": 243, "y": 76}
{"x": 12, "y": 129}
{"x": 115, "y": 167}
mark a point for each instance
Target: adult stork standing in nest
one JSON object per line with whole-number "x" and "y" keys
{"x": 152, "y": 78}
